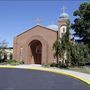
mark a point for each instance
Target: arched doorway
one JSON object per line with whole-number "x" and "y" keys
{"x": 36, "y": 51}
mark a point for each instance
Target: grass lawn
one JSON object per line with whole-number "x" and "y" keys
{"x": 83, "y": 69}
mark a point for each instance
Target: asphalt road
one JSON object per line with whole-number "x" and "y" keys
{"x": 21, "y": 79}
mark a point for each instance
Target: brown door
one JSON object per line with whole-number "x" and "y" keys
{"x": 36, "y": 49}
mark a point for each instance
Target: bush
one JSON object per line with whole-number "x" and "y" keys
{"x": 53, "y": 65}
{"x": 59, "y": 65}
{"x": 46, "y": 65}
{"x": 14, "y": 62}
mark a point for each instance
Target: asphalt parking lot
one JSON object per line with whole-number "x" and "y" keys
{"x": 25, "y": 79}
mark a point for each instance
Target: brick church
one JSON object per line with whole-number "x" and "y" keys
{"x": 34, "y": 46}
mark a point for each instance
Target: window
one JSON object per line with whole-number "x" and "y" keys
{"x": 64, "y": 30}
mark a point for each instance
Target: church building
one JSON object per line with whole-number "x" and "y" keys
{"x": 34, "y": 46}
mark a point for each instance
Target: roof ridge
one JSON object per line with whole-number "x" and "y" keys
{"x": 34, "y": 27}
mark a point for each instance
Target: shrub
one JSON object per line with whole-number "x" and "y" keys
{"x": 14, "y": 62}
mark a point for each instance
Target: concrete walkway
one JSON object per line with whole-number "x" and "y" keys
{"x": 81, "y": 76}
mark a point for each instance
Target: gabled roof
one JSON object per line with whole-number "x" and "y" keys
{"x": 35, "y": 27}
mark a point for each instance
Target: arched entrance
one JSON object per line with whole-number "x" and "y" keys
{"x": 36, "y": 51}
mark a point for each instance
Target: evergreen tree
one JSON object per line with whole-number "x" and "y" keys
{"x": 81, "y": 24}
{"x": 62, "y": 49}
{"x": 56, "y": 48}
{"x": 79, "y": 54}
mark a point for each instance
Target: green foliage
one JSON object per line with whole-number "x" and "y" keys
{"x": 3, "y": 53}
{"x": 80, "y": 54}
{"x": 56, "y": 47}
{"x": 46, "y": 65}
{"x": 62, "y": 46}
{"x": 76, "y": 54}
{"x": 13, "y": 62}
{"x": 81, "y": 24}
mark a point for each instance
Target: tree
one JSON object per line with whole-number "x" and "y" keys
{"x": 62, "y": 49}
{"x": 3, "y": 46}
{"x": 81, "y": 24}
{"x": 66, "y": 48}
{"x": 79, "y": 54}
{"x": 56, "y": 48}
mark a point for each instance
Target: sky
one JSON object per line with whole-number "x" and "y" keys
{"x": 17, "y": 16}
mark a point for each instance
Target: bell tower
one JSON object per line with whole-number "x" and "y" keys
{"x": 63, "y": 23}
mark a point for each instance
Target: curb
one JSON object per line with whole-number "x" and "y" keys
{"x": 63, "y": 73}
{"x": 87, "y": 81}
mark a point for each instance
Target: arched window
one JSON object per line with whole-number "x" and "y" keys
{"x": 64, "y": 30}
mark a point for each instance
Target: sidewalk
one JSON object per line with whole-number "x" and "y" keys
{"x": 81, "y": 76}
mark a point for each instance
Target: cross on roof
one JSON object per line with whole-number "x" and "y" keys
{"x": 38, "y": 21}
{"x": 63, "y": 9}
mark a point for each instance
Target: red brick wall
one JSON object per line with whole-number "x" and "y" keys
{"x": 46, "y": 36}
